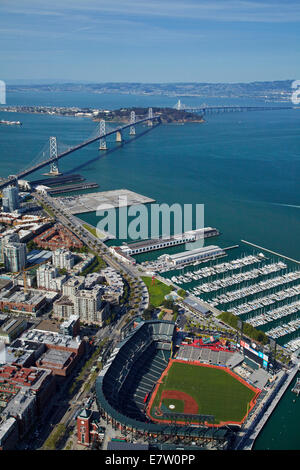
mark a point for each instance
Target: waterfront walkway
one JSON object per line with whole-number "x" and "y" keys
{"x": 247, "y": 437}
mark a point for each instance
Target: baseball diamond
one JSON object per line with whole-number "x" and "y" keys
{"x": 202, "y": 389}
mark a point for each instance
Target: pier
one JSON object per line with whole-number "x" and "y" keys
{"x": 167, "y": 242}
{"x": 92, "y": 202}
{"x": 72, "y": 187}
{"x": 272, "y": 252}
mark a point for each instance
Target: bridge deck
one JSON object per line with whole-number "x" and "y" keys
{"x": 48, "y": 161}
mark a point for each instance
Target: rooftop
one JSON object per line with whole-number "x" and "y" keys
{"x": 51, "y": 338}
{"x": 204, "y": 249}
{"x": 49, "y": 325}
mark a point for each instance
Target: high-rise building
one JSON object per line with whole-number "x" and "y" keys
{"x": 72, "y": 285}
{"x": 4, "y": 240}
{"x": 89, "y": 306}
{"x": 62, "y": 258}
{"x": 10, "y": 199}
{"x": 14, "y": 256}
{"x": 47, "y": 278}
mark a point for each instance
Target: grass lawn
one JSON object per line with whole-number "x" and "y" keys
{"x": 94, "y": 231}
{"x": 47, "y": 209}
{"x": 156, "y": 291}
{"x": 216, "y": 392}
{"x": 95, "y": 266}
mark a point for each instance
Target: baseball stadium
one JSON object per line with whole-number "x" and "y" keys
{"x": 157, "y": 388}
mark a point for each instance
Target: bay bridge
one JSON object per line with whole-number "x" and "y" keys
{"x": 207, "y": 109}
{"x": 53, "y": 156}
{"x": 101, "y": 135}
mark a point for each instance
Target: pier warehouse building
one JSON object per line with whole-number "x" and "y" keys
{"x": 166, "y": 242}
{"x": 192, "y": 256}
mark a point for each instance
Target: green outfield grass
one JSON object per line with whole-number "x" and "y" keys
{"x": 157, "y": 291}
{"x": 216, "y": 392}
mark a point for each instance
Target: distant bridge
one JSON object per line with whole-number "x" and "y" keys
{"x": 54, "y": 156}
{"x": 206, "y": 109}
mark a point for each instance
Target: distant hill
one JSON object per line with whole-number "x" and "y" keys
{"x": 265, "y": 89}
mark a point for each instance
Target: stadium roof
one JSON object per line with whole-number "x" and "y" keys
{"x": 196, "y": 305}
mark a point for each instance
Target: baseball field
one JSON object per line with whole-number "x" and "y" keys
{"x": 202, "y": 389}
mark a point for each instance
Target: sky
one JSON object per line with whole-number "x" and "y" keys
{"x": 151, "y": 41}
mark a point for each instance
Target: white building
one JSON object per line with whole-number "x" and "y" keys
{"x": 48, "y": 278}
{"x": 89, "y": 306}
{"x": 196, "y": 255}
{"x": 63, "y": 307}
{"x": 62, "y": 258}
{"x": 72, "y": 285}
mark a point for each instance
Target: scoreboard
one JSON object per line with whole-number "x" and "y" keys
{"x": 252, "y": 351}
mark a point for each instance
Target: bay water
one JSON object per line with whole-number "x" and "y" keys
{"x": 244, "y": 168}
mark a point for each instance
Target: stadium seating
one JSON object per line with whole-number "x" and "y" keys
{"x": 136, "y": 366}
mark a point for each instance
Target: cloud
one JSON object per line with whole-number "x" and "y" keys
{"x": 217, "y": 10}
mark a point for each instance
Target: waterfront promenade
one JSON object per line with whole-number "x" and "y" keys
{"x": 246, "y": 438}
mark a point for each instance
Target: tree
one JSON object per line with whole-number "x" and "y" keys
{"x": 181, "y": 293}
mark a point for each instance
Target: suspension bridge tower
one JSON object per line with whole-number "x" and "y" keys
{"x": 132, "y": 122}
{"x": 102, "y": 142}
{"x": 150, "y": 116}
{"x": 178, "y": 105}
{"x": 119, "y": 137}
{"x": 54, "y": 170}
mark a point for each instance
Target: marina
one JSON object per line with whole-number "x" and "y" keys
{"x": 261, "y": 286}
{"x": 262, "y": 290}
{"x": 262, "y": 302}
{"x": 238, "y": 278}
{"x": 276, "y": 314}
{"x": 284, "y": 329}
{"x": 292, "y": 345}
